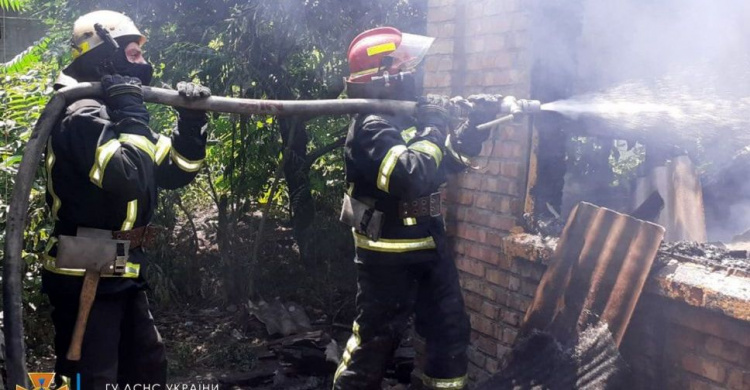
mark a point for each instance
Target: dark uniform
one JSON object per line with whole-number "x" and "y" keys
{"x": 409, "y": 268}
{"x": 104, "y": 173}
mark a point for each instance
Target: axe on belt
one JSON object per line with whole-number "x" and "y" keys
{"x": 16, "y": 218}
{"x": 96, "y": 252}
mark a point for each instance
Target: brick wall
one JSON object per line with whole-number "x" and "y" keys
{"x": 481, "y": 47}
{"x": 671, "y": 345}
{"x": 484, "y": 46}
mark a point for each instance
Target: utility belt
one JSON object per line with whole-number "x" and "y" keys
{"x": 364, "y": 215}
{"x": 104, "y": 251}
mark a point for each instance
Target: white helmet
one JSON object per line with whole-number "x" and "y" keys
{"x": 86, "y": 39}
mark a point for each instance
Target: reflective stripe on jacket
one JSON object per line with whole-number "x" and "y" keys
{"x": 387, "y": 162}
{"x": 106, "y": 175}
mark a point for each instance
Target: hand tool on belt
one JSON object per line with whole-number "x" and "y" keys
{"x": 16, "y": 219}
{"x": 363, "y": 215}
{"x": 99, "y": 252}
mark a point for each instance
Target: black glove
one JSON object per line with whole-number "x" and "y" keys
{"x": 486, "y": 107}
{"x": 192, "y": 120}
{"x": 193, "y": 90}
{"x": 124, "y": 98}
{"x": 433, "y": 117}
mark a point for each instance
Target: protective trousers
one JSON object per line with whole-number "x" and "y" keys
{"x": 120, "y": 346}
{"x": 387, "y": 296}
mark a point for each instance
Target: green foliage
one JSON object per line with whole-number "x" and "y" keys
{"x": 12, "y": 5}
{"x": 22, "y": 98}
{"x": 266, "y": 49}
{"x": 27, "y": 58}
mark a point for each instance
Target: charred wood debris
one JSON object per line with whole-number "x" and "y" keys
{"x": 732, "y": 257}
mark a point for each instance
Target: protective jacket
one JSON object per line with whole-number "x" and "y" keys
{"x": 106, "y": 175}
{"x": 390, "y": 166}
{"x": 408, "y": 269}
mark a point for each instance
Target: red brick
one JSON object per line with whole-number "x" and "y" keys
{"x": 473, "y": 301}
{"x": 497, "y": 44}
{"x": 698, "y": 384}
{"x": 497, "y": 277}
{"x": 724, "y": 349}
{"x": 472, "y": 181}
{"x": 459, "y": 246}
{"x": 493, "y": 168}
{"x": 509, "y": 336}
{"x": 529, "y": 288}
{"x": 478, "y": 286}
{"x": 475, "y": 356}
{"x": 440, "y": 14}
{"x": 735, "y": 380}
{"x": 438, "y": 80}
{"x": 491, "y": 365}
{"x": 511, "y": 133}
{"x": 487, "y": 345}
{"x": 501, "y": 297}
{"x": 490, "y": 310}
{"x": 511, "y": 170}
{"x": 472, "y": 232}
{"x": 488, "y": 147}
{"x": 514, "y": 283}
{"x": 488, "y": 255}
{"x": 497, "y": 77}
{"x": 505, "y": 262}
{"x": 460, "y": 196}
{"x": 493, "y": 202}
{"x": 495, "y": 239}
{"x": 500, "y": 185}
{"x": 527, "y": 269}
{"x": 511, "y": 318}
{"x": 471, "y": 266}
{"x": 502, "y": 60}
{"x": 472, "y": 371}
{"x": 682, "y": 340}
{"x": 478, "y": 216}
{"x": 711, "y": 323}
{"x": 502, "y": 222}
{"x": 502, "y": 351}
{"x": 519, "y": 302}
{"x": 481, "y": 324}
{"x": 442, "y": 30}
{"x": 704, "y": 367}
{"x": 507, "y": 150}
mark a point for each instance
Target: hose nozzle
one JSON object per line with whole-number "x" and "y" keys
{"x": 513, "y": 109}
{"x": 510, "y": 105}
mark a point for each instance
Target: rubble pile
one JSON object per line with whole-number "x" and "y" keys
{"x": 712, "y": 255}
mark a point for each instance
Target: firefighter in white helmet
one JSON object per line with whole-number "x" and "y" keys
{"x": 104, "y": 166}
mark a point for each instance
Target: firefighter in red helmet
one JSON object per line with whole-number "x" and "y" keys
{"x": 394, "y": 167}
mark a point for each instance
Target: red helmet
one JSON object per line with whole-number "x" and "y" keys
{"x": 385, "y": 49}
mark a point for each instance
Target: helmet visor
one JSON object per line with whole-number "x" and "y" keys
{"x": 411, "y": 51}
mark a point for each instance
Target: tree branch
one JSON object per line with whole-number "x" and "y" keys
{"x": 321, "y": 151}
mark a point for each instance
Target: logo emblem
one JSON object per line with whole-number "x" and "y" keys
{"x": 41, "y": 381}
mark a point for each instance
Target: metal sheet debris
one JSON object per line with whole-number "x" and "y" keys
{"x": 597, "y": 273}
{"x": 678, "y": 184}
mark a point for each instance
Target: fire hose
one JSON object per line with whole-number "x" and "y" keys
{"x": 511, "y": 108}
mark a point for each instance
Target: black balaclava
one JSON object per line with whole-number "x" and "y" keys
{"x": 405, "y": 89}
{"x": 126, "y": 68}
{"x": 91, "y": 66}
